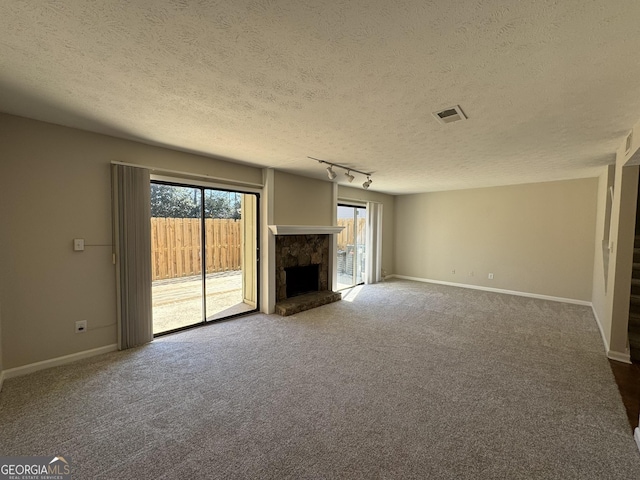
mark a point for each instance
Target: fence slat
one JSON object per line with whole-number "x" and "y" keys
{"x": 346, "y": 235}
{"x": 209, "y": 247}
{"x": 176, "y": 250}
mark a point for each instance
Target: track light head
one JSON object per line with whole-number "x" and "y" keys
{"x": 349, "y": 176}
{"x": 332, "y": 175}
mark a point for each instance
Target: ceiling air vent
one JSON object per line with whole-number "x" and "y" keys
{"x": 450, "y": 115}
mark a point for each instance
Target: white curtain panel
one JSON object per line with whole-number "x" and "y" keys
{"x": 373, "y": 266}
{"x": 132, "y": 235}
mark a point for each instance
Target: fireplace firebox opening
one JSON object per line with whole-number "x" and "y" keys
{"x": 301, "y": 280}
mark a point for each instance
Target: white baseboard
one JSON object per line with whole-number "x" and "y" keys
{"x": 619, "y": 356}
{"x": 623, "y": 357}
{"x": 54, "y": 362}
{"x": 495, "y": 290}
{"x": 636, "y": 436}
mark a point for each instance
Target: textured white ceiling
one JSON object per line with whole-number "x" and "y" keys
{"x": 551, "y": 87}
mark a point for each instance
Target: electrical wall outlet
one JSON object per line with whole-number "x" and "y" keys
{"x": 78, "y": 244}
{"x": 471, "y": 274}
{"x": 491, "y": 276}
{"x": 453, "y": 272}
{"x": 81, "y": 326}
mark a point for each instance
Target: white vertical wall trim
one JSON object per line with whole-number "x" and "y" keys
{"x": 623, "y": 216}
{"x": 268, "y": 245}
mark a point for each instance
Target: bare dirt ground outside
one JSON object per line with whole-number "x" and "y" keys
{"x": 178, "y": 302}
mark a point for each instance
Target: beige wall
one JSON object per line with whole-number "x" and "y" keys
{"x": 302, "y": 201}
{"x": 534, "y": 238}
{"x": 388, "y": 223}
{"x": 1, "y": 368}
{"x": 55, "y": 185}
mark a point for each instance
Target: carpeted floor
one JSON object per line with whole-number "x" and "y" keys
{"x": 398, "y": 380}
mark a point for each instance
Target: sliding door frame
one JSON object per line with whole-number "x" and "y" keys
{"x": 355, "y": 206}
{"x": 202, "y": 186}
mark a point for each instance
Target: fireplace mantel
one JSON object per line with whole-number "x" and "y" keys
{"x": 304, "y": 229}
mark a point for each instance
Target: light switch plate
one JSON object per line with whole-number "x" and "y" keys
{"x": 78, "y": 244}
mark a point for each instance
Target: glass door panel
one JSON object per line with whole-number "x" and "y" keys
{"x": 351, "y": 245}
{"x": 204, "y": 255}
{"x": 231, "y": 252}
{"x": 176, "y": 249}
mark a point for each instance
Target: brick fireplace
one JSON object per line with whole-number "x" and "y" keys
{"x": 301, "y": 252}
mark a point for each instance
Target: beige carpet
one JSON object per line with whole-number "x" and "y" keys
{"x": 399, "y": 380}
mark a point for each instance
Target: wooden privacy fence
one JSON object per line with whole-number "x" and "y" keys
{"x": 175, "y": 246}
{"x": 345, "y": 237}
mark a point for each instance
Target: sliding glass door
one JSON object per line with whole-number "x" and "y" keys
{"x": 204, "y": 255}
{"x": 176, "y": 251}
{"x": 231, "y": 253}
{"x": 351, "y": 245}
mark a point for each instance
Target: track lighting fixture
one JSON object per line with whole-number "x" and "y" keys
{"x": 332, "y": 175}
{"x": 349, "y": 176}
